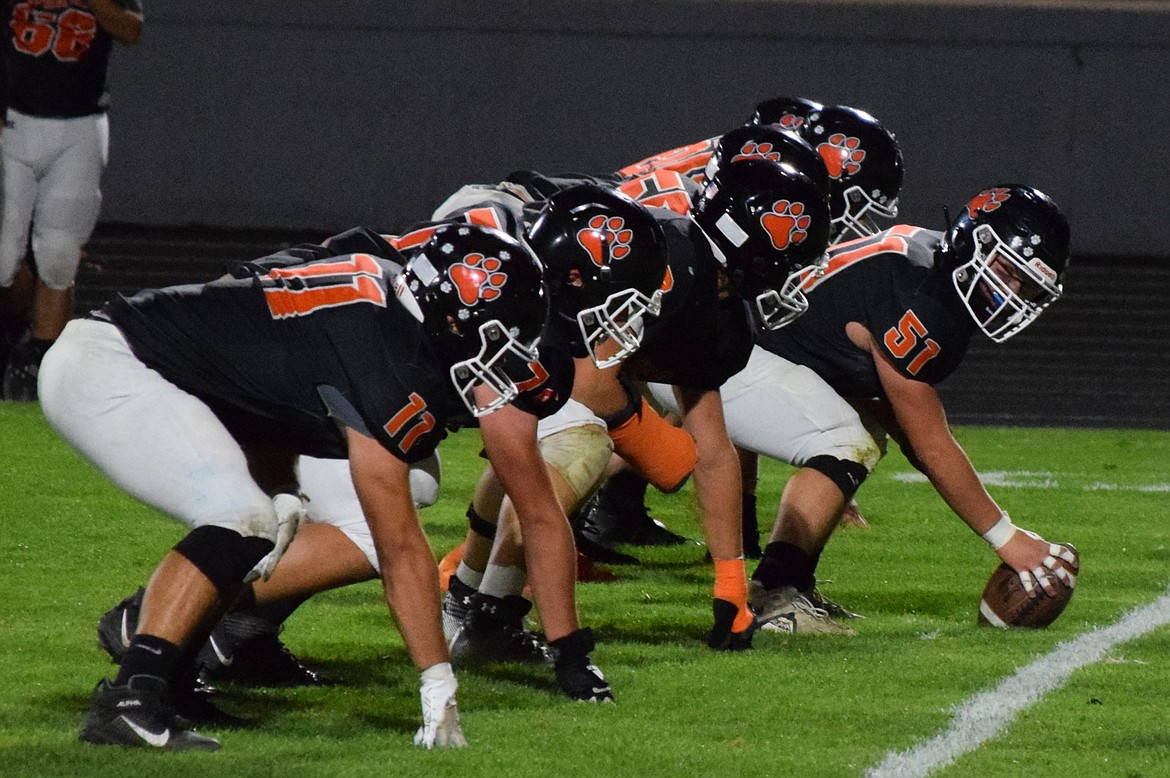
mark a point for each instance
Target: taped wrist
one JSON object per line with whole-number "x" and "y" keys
{"x": 1001, "y": 532}
{"x": 223, "y": 555}
{"x": 731, "y": 586}
{"x": 480, "y": 525}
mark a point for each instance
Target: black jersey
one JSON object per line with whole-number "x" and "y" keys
{"x": 699, "y": 340}
{"x": 289, "y": 348}
{"x": 55, "y": 56}
{"x": 887, "y": 283}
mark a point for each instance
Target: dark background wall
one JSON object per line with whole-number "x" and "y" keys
{"x": 323, "y": 115}
{"x": 308, "y": 118}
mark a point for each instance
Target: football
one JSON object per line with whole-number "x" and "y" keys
{"x": 1005, "y": 603}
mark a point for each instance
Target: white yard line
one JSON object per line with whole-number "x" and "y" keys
{"x": 987, "y": 714}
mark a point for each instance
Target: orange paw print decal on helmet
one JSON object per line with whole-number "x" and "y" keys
{"x": 753, "y": 150}
{"x": 786, "y": 224}
{"x": 789, "y": 121}
{"x": 478, "y": 277}
{"x": 842, "y": 154}
{"x": 605, "y": 235}
{"x": 987, "y": 201}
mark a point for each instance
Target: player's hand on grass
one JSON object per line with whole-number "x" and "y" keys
{"x": 440, "y": 728}
{"x": 575, "y": 671}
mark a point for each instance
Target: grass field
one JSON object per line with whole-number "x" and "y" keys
{"x": 71, "y": 546}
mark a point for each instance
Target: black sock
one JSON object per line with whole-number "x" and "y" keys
{"x": 751, "y": 527}
{"x": 785, "y": 564}
{"x": 149, "y": 655}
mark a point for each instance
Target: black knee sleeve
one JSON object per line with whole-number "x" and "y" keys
{"x": 479, "y": 525}
{"x": 847, "y": 475}
{"x": 223, "y": 555}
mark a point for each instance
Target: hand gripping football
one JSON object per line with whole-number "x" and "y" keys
{"x": 1005, "y": 601}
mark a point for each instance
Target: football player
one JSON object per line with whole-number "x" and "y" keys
{"x": 890, "y": 315}
{"x": 197, "y": 400}
{"x": 743, "y": 240}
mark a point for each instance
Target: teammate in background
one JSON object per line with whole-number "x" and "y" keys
{"x": 251, "y": 370}
{"x": 891, "y": 315}
{"x": 750, "y": 229}
{"x": 863, "y": 169}
{"x": 55, "y": 147}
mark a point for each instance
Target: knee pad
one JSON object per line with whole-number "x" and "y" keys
{"x": 661, "y": 453}
{"x": 223, "y": 555}
{"x": 58, "y": 254}
{"x": 479, "y": 525}
{"x": 847, "y": 475}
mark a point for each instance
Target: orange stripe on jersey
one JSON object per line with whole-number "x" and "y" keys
{"x": 689, "y": 160}
{"x": 485, "y": 217}
{"x": 660, "y": 189}
{"x": 412, "y": 239}
{"x": 842, "y": 255}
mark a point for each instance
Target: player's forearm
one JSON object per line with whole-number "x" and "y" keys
{"x": 410, "y": 579}
{"x": 954, "y": 478}
{"x": 718, "y": 487}
{"x": 123, "y": 25}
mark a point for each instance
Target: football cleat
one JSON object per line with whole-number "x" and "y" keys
{"x": 139, "y": 715}
{"x": 20, "y": 375}
{"x": 494, "y": 632}
{"x": 246, "y": 649}
{"x": 721, "y": 638}
{"x": 834, "y": 609}
{"x": 578, "y": 676}
{"x": 605, "y": 521}
{"x": 117, "y": 627}
{"x": 784, "y": 609}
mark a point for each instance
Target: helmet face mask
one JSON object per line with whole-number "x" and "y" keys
{"x": 605, "y": 258}
{"x": 480, "y": 297}
{"x": 619, "y": 320}
{"x": 1007, "y": 254}
{"x": 859, "y": 220}
{"x": 865, "y": 168}
{"x": 490, "y": 367}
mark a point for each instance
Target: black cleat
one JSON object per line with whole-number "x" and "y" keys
{"x": 576, "y": 673}
{"x": 721, "y": 638}
{"x": 494, "y": 632}
{"x": 609, "y": 521}
{"x": 117, "y": 627}
{"x": 20, "y": 375}
{"x": 139, "y": 715}
{"x": 246, "y": 649}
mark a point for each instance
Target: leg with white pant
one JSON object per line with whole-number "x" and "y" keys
{"x": 166, "y": 448}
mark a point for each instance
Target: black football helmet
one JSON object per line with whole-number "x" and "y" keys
{"x": 865, "y": 168}
{"x": 605, "y": 261}
{"x": 482, "y": 301}
{"x": 766, "y": 222}
{"x": 1007, "y": 253}
{"x": 784, "y": 113}
{"x": 754, "y": 141}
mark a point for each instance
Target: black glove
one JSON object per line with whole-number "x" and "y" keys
{"x": 576, "y": 674}
{"x": 721, "y": 638}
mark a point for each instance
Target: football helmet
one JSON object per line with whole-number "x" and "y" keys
{"x": 766, "y": 222}
{"x": 754, "y": 141}
{"x": 784, "y": 113}
{"x": 1007, "y": 254}
{"x": 481, "y": 299}
{"x": 865, "y": 168}
{"x": 605, "y": 261}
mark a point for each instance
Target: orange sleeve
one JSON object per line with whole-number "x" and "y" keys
{"x": 662, "y": 454}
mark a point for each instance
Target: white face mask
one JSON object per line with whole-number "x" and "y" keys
{"x": 1003, "y": 290}
{"x": 488, "y": 368}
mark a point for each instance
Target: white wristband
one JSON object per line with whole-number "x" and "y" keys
{"x": 1000, "y": 533}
